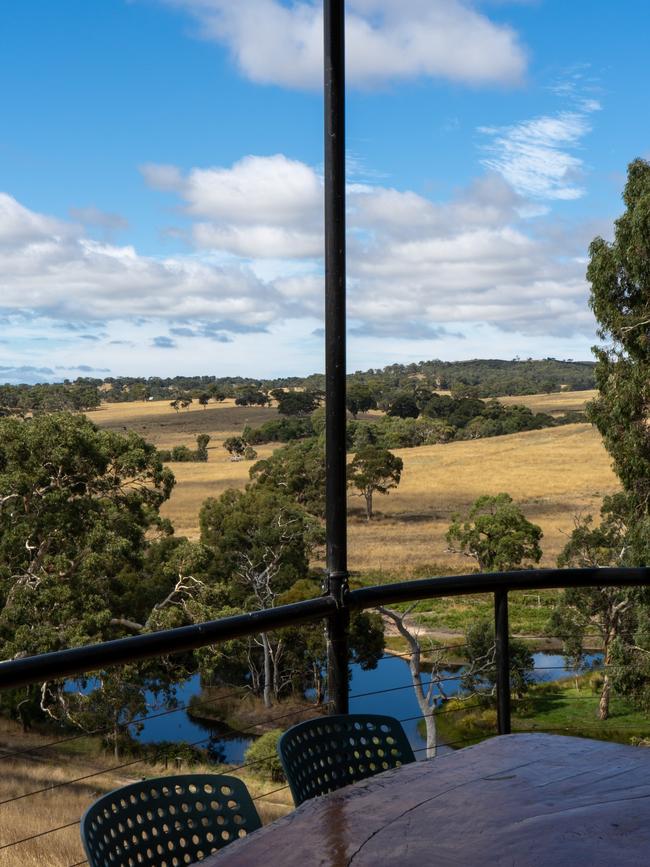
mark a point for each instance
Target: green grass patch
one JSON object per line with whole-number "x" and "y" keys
{"x": 529, "y": 612}
{"x": 560, "y": 707}
{"x": 550, "y": 707}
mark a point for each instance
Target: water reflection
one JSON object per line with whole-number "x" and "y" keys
{"x": 224, "y": 746}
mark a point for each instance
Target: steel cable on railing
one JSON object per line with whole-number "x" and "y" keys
{"x": 40, "y": 834}
{"x": 121, "y": 726}
{"x": 136, "y": 762}
{"x": 431, "y": 682}
{"x": 144, "y": 719}
{"x": 424, "y": 651}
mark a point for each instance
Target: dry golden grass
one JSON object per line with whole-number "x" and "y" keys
{"x": 56, "y": 807}
{"x": 157, "y": 422}
{"x": 554, "y": 473}
{"x": 554, "y": 404}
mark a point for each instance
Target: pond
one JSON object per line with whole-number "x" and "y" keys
{"x": 368, "y": 694}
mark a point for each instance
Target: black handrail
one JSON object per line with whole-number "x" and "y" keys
{"x": 81, "y": 660}
{"x": 92, "y": 657}
{"x": 491, "y": 582}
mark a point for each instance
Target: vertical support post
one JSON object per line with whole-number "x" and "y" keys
{"x": 335, "y": 410}
{"x": 501, "y": 630}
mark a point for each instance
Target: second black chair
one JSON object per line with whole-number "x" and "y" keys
{"x": 324, "y": 754}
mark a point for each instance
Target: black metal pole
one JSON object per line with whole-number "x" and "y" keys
{"x": 502, "y": 661}
{"x": 335, "y": 451}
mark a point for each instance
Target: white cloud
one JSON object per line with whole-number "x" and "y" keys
{"x": 48, "y": 267}
{"x": 417, "y": 268}
{"x": 275, "y": 42}
{"x": 260, "y": 207}
{"x": 19, "y": 225}
{"x": 538, "y": 157}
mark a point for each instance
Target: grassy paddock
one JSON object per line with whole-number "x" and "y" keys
{"x": 58, "y": 806}
{"x": 554, "y": 474}
{"x": 556, "y": 403}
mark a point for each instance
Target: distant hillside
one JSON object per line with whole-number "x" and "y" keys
{"x": 474, "y": 378}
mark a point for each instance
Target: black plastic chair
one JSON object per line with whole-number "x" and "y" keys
{"x": 167, "y": 821}
{"x": 324, "y": 754}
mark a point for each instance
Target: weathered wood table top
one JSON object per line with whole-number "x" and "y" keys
{"x": 538, "y": 800}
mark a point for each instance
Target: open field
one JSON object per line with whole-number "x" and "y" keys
{"x": 554, "y": 404}
{"x": 157, "y": 422}
{"x": 554, "y": 473}
{"x": 58, "y": 805}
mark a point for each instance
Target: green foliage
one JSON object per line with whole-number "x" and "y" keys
{"x": 251, "y": 396}
{"x": 374, "y": 470}
{"x": 182, "y": 454}
{"x": 202, "y": 441}
{"x": 263, "y": 755}
{"x": 496, "y": 534}
{"x": 463, "y": 390}
{"x": 282, "y": 430}
{"x": 298, "y": 469}
{"x": 79, "y": 512}
{"x": 298, "y": 403}
{"x": 617, "y": 614}
{"x": 235, "y": 446}
{"x": 360, "y": 398}
{"x": 620, "y": 298}
{"x": 366, "y": 639}
{"x": 80, "y": 396}
{"x": 250, "y": 525}
{"x": 404, "y": 406}
{"x": 481, "y": 673}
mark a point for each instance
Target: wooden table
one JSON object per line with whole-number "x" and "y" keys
{"x": 523, "y": 800}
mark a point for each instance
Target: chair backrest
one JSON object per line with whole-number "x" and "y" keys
{"x": 167, "y": 821}
{"x": 324, "y": 754}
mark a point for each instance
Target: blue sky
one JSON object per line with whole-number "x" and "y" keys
{"x": 160, "y": 180}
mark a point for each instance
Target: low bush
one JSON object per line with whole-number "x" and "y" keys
{"x": 264, "y": 752}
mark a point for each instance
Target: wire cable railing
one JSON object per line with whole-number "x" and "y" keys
{"x": 232, "y": 768}
{"x": 57, "y": 666}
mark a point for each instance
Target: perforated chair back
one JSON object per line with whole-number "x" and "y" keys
{"x": 167, "y": 821}
{"x": 324, "y": 754}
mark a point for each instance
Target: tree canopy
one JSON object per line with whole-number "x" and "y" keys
{"x": 496, "y": 534}
{"x": 374, "y": 470}
{"x": 620, "y": 298}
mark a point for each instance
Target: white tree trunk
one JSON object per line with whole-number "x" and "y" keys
{"x": 424, "y": 696}
{"x": 268, "y": 683}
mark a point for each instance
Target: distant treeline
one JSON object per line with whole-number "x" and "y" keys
{"x": 79, "y": 396}
{"x": 490, "y": 378}
{"x": 381, "y": 387}
{"x": 438, "y": 419}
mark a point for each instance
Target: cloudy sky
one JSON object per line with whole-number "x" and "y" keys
{"x": 161, "y": 180}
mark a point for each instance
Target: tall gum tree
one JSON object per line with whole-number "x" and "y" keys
{"x": 619, "y": 274}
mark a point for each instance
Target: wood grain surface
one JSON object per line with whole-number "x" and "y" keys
{"x": 518, "y": 800}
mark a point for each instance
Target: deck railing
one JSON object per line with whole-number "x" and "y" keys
{"x": 337, "y": 606}
{"x": 83, "y": 660}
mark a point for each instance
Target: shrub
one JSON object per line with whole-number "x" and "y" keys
{"x": 182, "y": 453}
{"x": 264, "y": 752}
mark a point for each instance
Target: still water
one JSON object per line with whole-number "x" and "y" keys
{"x": 392, "y": 673}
